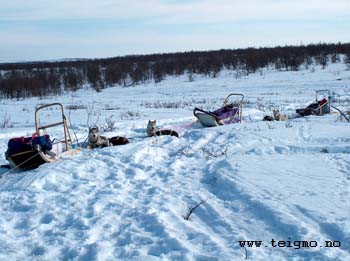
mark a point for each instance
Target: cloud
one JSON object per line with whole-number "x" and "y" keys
{"x": 41, "y": 29}
{"x": 205, "y": 11}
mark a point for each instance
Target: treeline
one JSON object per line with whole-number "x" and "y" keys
{"x": 22, "y": 80}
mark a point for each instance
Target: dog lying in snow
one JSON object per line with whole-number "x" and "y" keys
{"x": 268, "y": 118}
{"x": 97, "y": 141}
{"x": 279, "y": 116}
{"x": 153, "y": 130}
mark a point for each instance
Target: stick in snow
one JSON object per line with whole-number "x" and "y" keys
{"x": 342, "y": 113}
{"x": 191, "y": 210}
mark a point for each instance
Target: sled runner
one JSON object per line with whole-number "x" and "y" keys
{"x": 31, "y": 152}
{"x": 321, "y": 106}
{"x": 230, "y": 112}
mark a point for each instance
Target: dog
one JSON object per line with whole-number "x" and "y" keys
{"x": 115, "y": 141}
{"x": 279, "y": 116}
{"x": 268, "y": 118}
{"x": 97, "y": 141}
{"x": 153, "y": 130}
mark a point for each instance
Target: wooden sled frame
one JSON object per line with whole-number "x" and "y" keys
{"x": 35, "y": 157}
{"x": 209, "y": 119}
{"x": 240, "y": 104}
{"x": 320, "y": 109}
{"x": 328, "y": 103}
{"x": 67, "y": 138}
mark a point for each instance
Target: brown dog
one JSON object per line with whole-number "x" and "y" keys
{"x": 115, "y": 141}
{"x": 279, "y": 116}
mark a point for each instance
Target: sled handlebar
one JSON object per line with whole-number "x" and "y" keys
{"x": 67, "y": 138}
{"x": 318, "y": 92}
{"x": 234, "y": 94}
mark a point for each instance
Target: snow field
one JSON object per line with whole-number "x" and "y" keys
{"x": 258, "y": 180}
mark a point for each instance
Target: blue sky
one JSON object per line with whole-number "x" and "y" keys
{"x": 44, "y": 29}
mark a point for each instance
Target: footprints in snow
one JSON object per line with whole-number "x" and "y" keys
{"x": 304, "y": 133}
{"x": 304, "y": 143}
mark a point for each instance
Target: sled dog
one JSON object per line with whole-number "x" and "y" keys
{"x": 153, "y": 130}
{"x": 268, "y": 118}
{"x": 115, "y": 141}
{"x": 279, "y": 116}
{"x": 98, "y": 141}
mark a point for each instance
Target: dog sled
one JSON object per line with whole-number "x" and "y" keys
{"x": 230, "y": 112}
{"x": 30, "y": 152}
{"x": 321, "y": 106}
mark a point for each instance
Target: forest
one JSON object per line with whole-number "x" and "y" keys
{"x": 44, "y": 78}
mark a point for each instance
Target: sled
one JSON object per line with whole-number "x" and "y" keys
{"x": 230, "y": 112}
{"x": 321, "y": 106}
{"x": 30, "y": 152}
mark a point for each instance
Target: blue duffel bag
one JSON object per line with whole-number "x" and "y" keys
{"x": 43, "y": 141}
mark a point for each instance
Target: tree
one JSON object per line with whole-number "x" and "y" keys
{"x": 93, "y": 75}
{"x": 335, "y": 58}
{"x": 113, "y": 74}
{"x": 347, "y": 60}
{"x": 324, "y": 60}
{"x": 28, "y": 79}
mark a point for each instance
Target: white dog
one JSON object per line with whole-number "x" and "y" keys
{"x": 96, "y": 140}
{"x": 279, "y": 116}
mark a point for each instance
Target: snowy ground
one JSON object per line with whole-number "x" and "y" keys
{"x": 259, "y": 181}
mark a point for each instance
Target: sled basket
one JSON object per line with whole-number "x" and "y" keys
{"x": 321, "y": 106}
{"x": 30, "y": 152}
{"x": 230, "y": 112}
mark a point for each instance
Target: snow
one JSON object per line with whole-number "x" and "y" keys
{"x": 257, "y": 180}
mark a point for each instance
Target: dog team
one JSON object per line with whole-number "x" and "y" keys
{"x": 95, "y": 140}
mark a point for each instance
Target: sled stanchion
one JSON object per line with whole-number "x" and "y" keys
{"x": 67, "y": 137}
{"x": 240, "y": 105}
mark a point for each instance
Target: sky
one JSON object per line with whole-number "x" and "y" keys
{"x": 32, "y": 30}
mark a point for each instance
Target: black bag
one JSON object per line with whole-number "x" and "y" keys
{"x": 17, "y": 145}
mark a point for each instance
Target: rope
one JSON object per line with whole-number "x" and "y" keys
{"x": 180, "y": 128}
{"x": 20, "y": 164}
